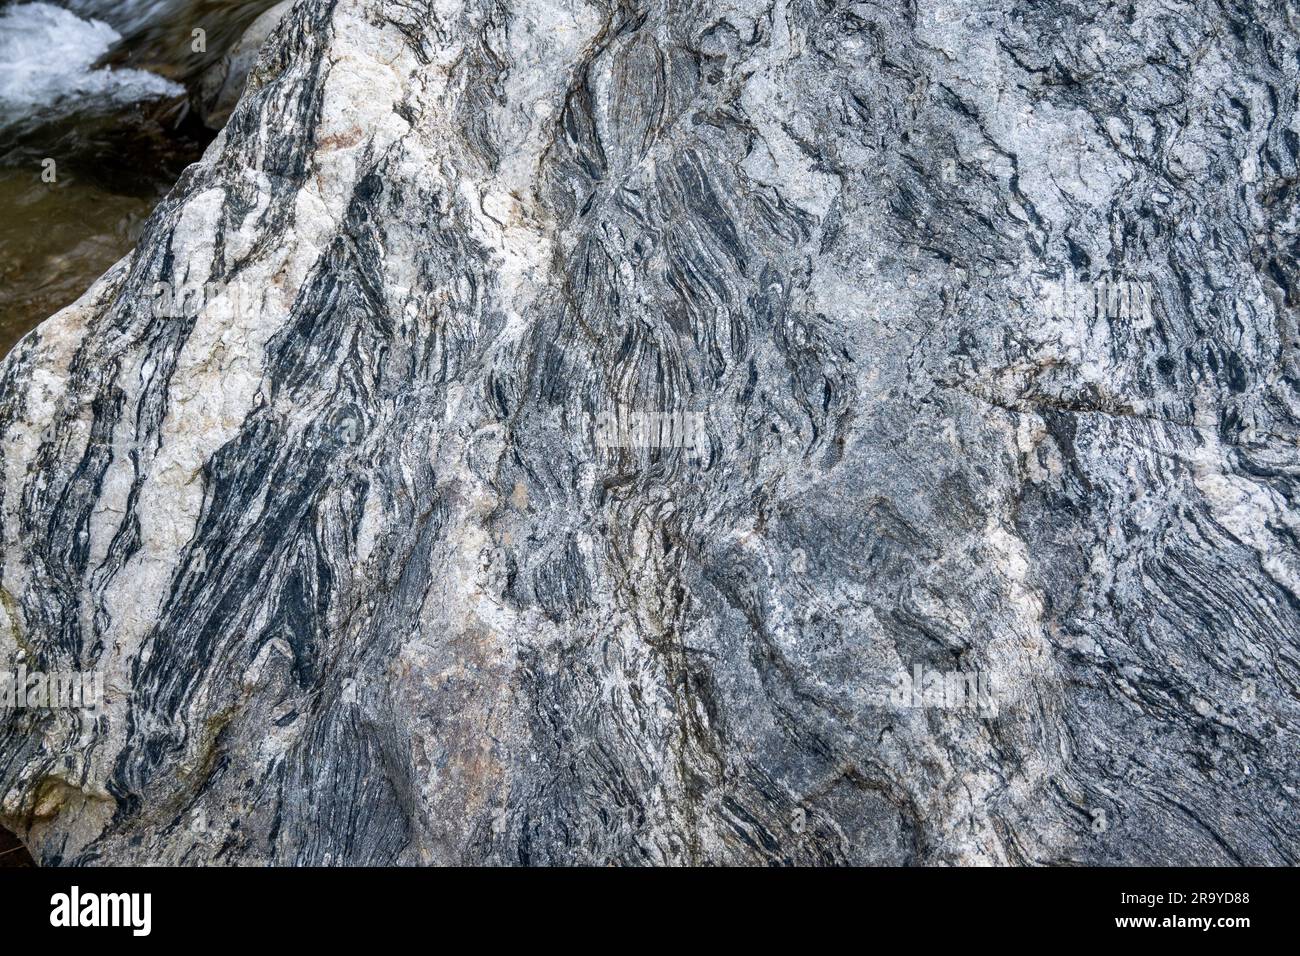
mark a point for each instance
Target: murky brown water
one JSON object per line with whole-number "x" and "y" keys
{"x": 57, "y": 238}
{"x": 54, "y": 242}
{"x": 113, "y": 160}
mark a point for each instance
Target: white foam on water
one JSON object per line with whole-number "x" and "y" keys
{"x": 123, "y": 15}
{"x": 46, "y": 54}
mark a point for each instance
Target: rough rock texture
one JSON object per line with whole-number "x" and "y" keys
{"x": 368, "y": 587}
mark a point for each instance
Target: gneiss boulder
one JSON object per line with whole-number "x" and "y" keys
{"x": 392, "y": 546}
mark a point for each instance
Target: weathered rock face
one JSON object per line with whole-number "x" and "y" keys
{"x": 972, "y": 333}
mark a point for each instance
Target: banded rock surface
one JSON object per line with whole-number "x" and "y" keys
{"x": 369, "y": 584}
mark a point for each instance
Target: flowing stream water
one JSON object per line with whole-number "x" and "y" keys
{"x": 95, "y": 127}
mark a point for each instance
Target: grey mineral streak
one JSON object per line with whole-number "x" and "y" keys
{"x": 972, "y": 328}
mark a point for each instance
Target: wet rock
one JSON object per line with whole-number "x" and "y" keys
{"x": 736, "y": 433}
{"x": 221, "y": 84}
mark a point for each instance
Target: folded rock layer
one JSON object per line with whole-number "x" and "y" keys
{"x": 592, "y": 432}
